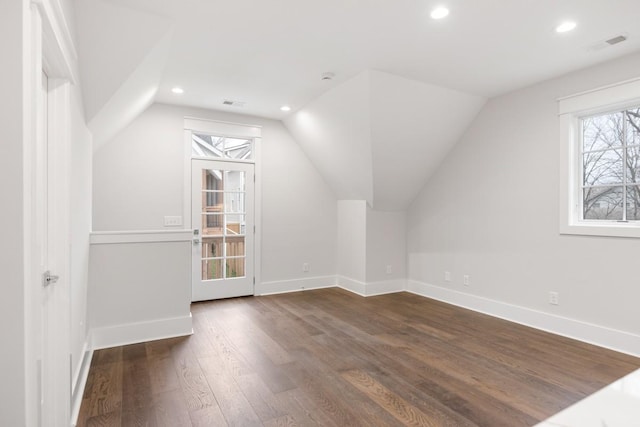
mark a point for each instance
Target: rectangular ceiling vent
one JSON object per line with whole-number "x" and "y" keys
{"x": 616, "y": 40}
{"x": 232, "y": 103}
{"x": 608, "y": 42}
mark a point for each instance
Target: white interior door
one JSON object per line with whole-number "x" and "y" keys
{"x": 222, "y": 209}
{"x": 51, "y": 251}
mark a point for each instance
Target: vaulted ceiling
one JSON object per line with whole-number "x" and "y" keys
{"x": 378, "y": 137}
{"x": 405, "y": 85}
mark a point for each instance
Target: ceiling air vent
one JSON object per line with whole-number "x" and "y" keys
{"x": 608, "y": 42}
{"x": 616, "y": 40}
{"x": 232, "y": 103}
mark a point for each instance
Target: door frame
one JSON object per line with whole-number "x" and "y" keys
{"x": 228, "y": 129}
{"x": 203, "y": 290}
{"x": 51, "y": 51}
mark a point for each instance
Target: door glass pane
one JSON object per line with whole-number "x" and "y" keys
{"x": 212, "y": 224}
{"x": 234, "y": 246}
{"x": 235, "y": 267}
{"x": 234, "y": 225}
{"x": 234, "y": 181}
{"x": 212, "y": 269}
{"x": 234, "y": 202}
{"x": 212, "y": 201}
{"x": 212, "y": 247}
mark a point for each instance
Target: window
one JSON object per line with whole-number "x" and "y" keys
{"x": 600, "y": 161}
{"x": 611, "y": 166}
{"x": 222, "y": 147}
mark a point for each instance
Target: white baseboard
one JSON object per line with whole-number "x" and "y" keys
{"x": 134, "y": 333}
{"x": 320, "y": 282}
{"x": 385, "y": 287}
{"x": 77, "y": 388}
{"x": 613, "y": 339}
{"x": 351, "y": 285}
{"x": 302, "y": 284}
{"x": 372, "y": 288}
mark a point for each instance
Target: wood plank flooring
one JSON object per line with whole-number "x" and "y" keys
{"x": 331, "y": 358}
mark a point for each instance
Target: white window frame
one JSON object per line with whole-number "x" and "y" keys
{"x": 572, "y": 109}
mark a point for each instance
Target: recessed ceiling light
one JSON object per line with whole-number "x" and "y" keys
{"x": 285, "y": 108}
{"x": 565, "y": 27}
{"x": 177, "y": 90}
{"x": 439, "y": 12}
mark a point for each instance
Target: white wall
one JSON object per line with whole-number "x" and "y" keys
{"x": 80, "y": 200}
{"x": 352, "y": 240}
{"x": 12, "y": 332}
{"x": 386, "y": 246}
{"x": 369, "y": 241}
{"x": 413, "y": 126}
{"x": 138, "y": 290}
{"x": 138, "y": 178}
{"x": 491, "y": 211}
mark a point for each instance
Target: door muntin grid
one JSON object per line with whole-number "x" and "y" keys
{"x": 223, "y": 224}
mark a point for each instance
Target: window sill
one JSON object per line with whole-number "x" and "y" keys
{"x": 613, "y": 229}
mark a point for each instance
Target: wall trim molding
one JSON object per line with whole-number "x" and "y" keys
{"x": 368, "y": 289}
{"x": 385, "y": 287}
{"x": 601, "y": 336}
{"x": 295, "y": 285}
{"x": 78, "y": 386}
{"x": 139, "y": 236}
{"x": 352, "y": 285}
{"x": 134, "y": 333}
{"x": 320, "y": 282}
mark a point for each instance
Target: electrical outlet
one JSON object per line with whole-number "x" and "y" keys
{"x": 554, "y": 298}
{"x": 306, "y": 267}
{"x": 447, "y": 276}
{"x": 389, "y": 269}
{"x": 465, "y": 280}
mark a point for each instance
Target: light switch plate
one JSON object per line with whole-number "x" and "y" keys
{"x": 172, "y": 221}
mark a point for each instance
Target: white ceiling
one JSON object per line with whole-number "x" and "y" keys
{"x": 272, "y": 52}
{"x": 405, "y": 88}
{"x": 378, "y": 137}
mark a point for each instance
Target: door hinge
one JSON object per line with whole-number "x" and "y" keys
{"x": 254, "y": 229}
{"x": 254, "y": 280}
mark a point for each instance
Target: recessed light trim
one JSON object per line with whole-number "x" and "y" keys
{"x": 177, "y": 90}
{"x": 439, "y": 13}
{"x": 566, "y": 26}
{"x": 285, "y": 108}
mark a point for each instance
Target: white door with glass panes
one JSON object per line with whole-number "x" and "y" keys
{"x": 222, "y": 207}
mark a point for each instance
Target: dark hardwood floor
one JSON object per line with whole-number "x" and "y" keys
{"x": 331, "y": 358}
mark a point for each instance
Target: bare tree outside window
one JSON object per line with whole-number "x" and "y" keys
{"x": 611, "y": 166}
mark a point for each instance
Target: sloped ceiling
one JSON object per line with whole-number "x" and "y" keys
{"x": 374, "y": 136}
{"x": 335, "y": 132}
{"x": 378, "y": 137}
{"x": 122, "y": 57}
